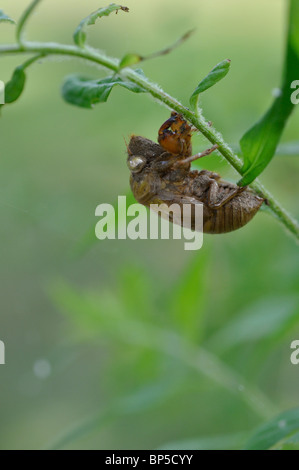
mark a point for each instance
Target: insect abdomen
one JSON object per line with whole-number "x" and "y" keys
{"x": 233, "y": 215}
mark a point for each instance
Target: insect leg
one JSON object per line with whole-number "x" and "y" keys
{"x": 213, "y": 201}
{"x": 197, "y": 156}
{"x": 210, "y": 174}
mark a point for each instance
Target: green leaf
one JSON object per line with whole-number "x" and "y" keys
{"x": 130, "y": 59}
{"x": 216, "y": 74}
{"x": 136, "y": 292}
{"x": 228, "y": 441}
{"x": 146, "y": 398}
{"x": 92, "y": 314}
{"x": 15, "y": 87}
{"x": 259, "y": 143}
{"x": 80, "y": 33}
{"x": 5, "y": 18}
{"x": 289, "y": 443}
{"x": 187, "y": 297}
{"x": 89, "y": 240}
{"x": 85, "y": 92}
{"x": 264, "y": 319}
{"x": 270, "y": 434}
{"x": 133, "y": 59}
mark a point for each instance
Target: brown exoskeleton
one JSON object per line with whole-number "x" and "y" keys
{"x": 160, "y": 173}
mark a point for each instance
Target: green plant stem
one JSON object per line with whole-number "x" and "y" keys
{"x": 23, "y": 20}
{"x": 32, "y": 60}
{"x": 196, "y": 119}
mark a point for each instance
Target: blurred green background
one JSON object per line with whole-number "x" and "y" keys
{"x": 140, "y": 344}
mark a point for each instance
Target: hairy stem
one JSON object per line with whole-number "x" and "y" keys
{"x": 196, "y": 119}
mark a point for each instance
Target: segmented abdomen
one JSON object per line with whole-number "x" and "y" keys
{"x": 233, "y": 215}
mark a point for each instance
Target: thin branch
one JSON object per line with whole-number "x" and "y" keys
{"x": 169, "y": 49}
{"x": 23, "y": 20}
{"x": 32, "y": 60}
{"x": 196, "y": 119}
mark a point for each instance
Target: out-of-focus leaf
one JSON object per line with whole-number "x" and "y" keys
{"x": 93, "y": 314}
{"x": 230, "y": 441}
{"x": 85, "y": 92}
{"x": 146, "y": 398}
{"x": 270, "y": 434}
{"x": 187, "y": 296}
{"x": 5, "y": 18}
{"x": 79, "y": 431}
{"x": 136, "y": 292}
{"x": 150, "y": 395}
{"x": 15, "y": 86}
{"x": 264, "y": 319}
{"x": 80, "y": 33}
{"x": 217, "y": 73}
{"x": 289, "y": 443}
{"x": 259, "y": 143}
{"x": 89, "y": 240}
{"x": 108, "y": 318}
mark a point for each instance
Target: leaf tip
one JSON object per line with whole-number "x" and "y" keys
{"x": 5, "y": 18}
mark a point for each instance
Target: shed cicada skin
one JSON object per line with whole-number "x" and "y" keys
{"x": 161, "y": 173}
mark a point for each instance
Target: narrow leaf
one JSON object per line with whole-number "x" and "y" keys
{"x": 135, "y": 292}
{"x": 80, "y": 33}
{"x": 216, "y": 74}
{"x": 89, "y": 240}
{"x": 264, "y": 319}
{"x": 5, "y": 18}
{"x": 85, "y": 92}
{"x": 15, "y": 87}
{"x": 276, "y": 430}
{"x": 222, "y": 442}
{"x": 130, "y": 59}
{"x": 259, "y": 144}
{"x": 146, "y": 398}
{"x": 187, "y": 297}
{"x": 289, "y": 443}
